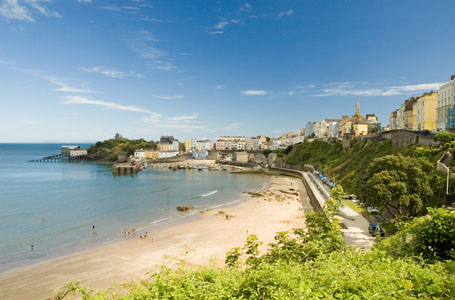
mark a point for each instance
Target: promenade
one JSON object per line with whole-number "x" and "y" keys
{"x": 356, "y": 226}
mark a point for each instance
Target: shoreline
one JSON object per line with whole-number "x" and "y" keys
{"x": 114, "y": 234}
{"x": 192, "y": 242}
{"x": 155, "y": 226}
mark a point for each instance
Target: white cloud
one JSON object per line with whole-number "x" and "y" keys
{"x": 221, "y": 25}
{"x": 62, "y": 86}
{"x": 112, "y": 73}
{"x": 183, "y": 118}
{"x": 20, "y": 9}
{"x": 146, "y": 51}
{"x": 84, "y": 1}
{"x": 174, "y": 97}
{"x": 118, "y": 8}
{"x": 152, "y": 117}
{"x": 285, "y": 13}
{"x": 153, "y": 20}
{"x": 254, "y": 92}
{"x": 164, "y": 65}
{"x": 350, "y": 89}
{"x": 106, "y": 72}
{"x": 108, "y": 105}
{"x": 291, "y": 93}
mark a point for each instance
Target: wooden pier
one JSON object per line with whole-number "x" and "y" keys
{"x": 60, "y": 158}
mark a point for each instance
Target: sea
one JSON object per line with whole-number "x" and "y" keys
{"x": 54, "y": 205}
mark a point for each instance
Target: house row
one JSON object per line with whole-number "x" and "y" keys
{"x": 355, "y": 125}
{"x": 236, "y": 143}
{"x": 433, "y": 111}
{"x": 154, "y": 154}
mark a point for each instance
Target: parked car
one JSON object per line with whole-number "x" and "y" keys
{"x": 374, "y": 228}
{"x": 372, "y": 210}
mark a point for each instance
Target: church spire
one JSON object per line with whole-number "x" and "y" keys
{"x": 357, "y": 108}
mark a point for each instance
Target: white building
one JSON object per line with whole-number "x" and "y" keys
{"x": 168, "y": 154}
{"x": 326, "y": 124}
{"x": 139, "y": 154}
{"x": 333, "y": 130}
{"x": 446, "y": 100}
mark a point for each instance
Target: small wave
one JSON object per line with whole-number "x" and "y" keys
{"x": 160, "y": 220}
{"x": 209, "y": 193}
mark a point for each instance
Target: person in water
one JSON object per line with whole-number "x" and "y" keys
{"x": 94, "y": 230}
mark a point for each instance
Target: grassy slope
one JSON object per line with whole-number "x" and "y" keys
{"x": 347, "y": 166}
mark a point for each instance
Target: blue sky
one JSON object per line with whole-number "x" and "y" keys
{"x": 81, "y": 70}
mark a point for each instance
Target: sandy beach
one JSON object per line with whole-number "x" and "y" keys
{"x": 191, "y": 243}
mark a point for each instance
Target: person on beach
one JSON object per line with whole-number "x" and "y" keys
{"x": 145, "y": 235}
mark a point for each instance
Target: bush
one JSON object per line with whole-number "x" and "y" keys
{"x": 431, "y": 237}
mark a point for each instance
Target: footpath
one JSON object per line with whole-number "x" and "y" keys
{"x": 355, "y": 229}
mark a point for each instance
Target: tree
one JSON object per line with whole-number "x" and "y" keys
{"x": 398, "y": 184}
{"x": 445, "y": 137}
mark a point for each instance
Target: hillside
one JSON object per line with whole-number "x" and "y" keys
{"x": 347, "y": 166}
{"x": 108, "y": 150}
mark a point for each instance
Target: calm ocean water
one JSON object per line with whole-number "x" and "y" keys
{"x": 54, "y": 205}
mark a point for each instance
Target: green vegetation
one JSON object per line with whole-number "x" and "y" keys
{"x": 431, "y": 237}
{"x": 311, "y": 264}
{"x": 399, "y": 184}
{"x": 347, "y": 166}
{"x": 108, "y": 150}
{"x": 445, "y": 137}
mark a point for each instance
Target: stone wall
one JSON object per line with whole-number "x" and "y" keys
{"x": 403, "y": 138}
{"x": 399, "y": 138}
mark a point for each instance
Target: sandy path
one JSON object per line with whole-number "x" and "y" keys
{"x": 191, "y": 243}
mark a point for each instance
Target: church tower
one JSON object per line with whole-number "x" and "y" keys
{"x": 357, "y": 108}
{"x": 357, "y": 116}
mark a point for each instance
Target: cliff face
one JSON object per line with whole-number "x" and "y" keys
{"x": 109, "y": 150}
